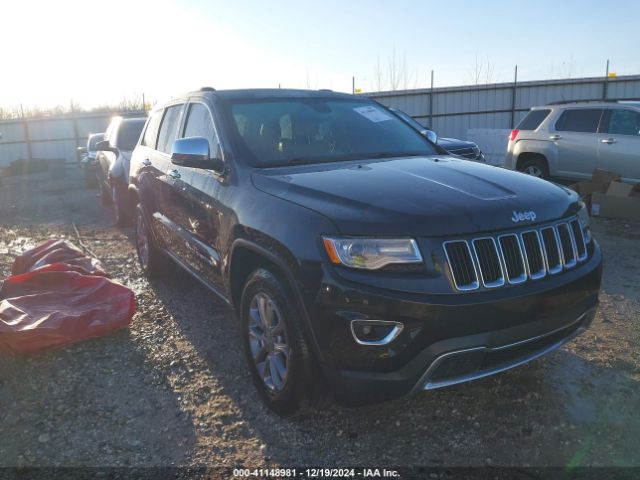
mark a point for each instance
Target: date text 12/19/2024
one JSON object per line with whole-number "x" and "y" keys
{"x": 315, "y": 473}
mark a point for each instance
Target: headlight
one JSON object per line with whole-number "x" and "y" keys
{"x": 371, "y": 253}
{"x": 583, "y": 218}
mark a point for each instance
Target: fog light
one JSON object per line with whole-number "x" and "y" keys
{"x": 375, "y": 332}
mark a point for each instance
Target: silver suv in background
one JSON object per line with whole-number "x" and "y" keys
{"x": 569, "y": 140}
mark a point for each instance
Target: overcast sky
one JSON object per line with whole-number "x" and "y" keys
{"x": 99, "y": 52}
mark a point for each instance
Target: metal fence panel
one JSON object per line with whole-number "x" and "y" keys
{"x": 499, "y": 106}
{"x": 52, "y": 137}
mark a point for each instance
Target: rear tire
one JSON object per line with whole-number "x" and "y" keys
{"x": 152, "y": 260}
{"x": 120, "y": 204}
{"x": 105, "y": 193}
{"x": 279, "y": 358}
{"x": 536, "y": 167}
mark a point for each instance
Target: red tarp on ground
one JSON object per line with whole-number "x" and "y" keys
{"x": 62, "y": 298}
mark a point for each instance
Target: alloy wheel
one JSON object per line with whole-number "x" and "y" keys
{"x": 268, "y": 341}
{"x": 533, "y": 171}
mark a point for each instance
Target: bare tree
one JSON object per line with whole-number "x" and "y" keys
{"x": 378, "y": 75}
{"x": 396, "y": 74}
{"x": 482, "y": 71}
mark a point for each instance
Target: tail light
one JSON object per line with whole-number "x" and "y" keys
{"x": 514, "y": 134}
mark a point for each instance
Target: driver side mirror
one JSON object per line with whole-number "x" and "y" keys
{"x": 194, "y": 152}
{"x": 105, "y": 146}
{"x": 431, "y": 135}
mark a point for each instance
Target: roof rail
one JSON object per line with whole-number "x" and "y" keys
{"x": 325, "y": 90}
{"x": 586, "y": 100}
{"x": 207, "y": 89}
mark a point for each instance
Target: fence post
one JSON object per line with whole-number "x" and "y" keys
{"x": 76, "y": 136}
{"x": 431, "y": 102}
{"x": 27, "y": 136}
{"x": 513, "y": 97}
{"x": 605, "y": 84}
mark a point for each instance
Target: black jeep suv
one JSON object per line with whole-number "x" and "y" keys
{"x": 352, "y": 253}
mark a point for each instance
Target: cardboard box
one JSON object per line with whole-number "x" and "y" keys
{"x": 612, "y": 206}
{"x": 604, "y": 177}
{"x": 619, "y": 189}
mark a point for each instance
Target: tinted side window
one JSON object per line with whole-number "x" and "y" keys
{"x": 624, "y": 122}
{"x": 169, "y": 128}
{"x": 151, "y": 132}
{"x": 579, "y": 120}
{"x": 200, "y": 124}
{"x": 533, "y": 119}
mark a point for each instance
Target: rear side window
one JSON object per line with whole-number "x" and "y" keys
{"x": 623, "y": 122}
{"x": 584, "y": 120}
{"x": 169, "y": 128}
{"x": 151, "y": 132}
{"x": 533, "y": 119}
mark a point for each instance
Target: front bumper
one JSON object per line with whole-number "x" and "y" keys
{"x": 446, "y": 339}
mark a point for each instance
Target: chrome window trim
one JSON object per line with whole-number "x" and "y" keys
{"x": 472, "y": 286}
{"x": 500, "y": 281}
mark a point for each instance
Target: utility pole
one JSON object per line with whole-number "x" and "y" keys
{"x": 431, "y": 102}
{"x": 513, "y": 97}
{"x": 353, "y": 85}
{"x": 605, "y": 84}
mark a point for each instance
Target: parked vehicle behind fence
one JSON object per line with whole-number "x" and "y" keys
{"x": 112, "y": 164}
{"x": 461, "y": 148}
{"x": 354, "y": 254}
{"x": 569, "y": 140}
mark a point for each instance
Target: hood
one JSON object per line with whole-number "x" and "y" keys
{"x": 417, "y": 196}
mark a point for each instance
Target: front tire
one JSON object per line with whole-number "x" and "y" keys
{"x": 277, "y": 353}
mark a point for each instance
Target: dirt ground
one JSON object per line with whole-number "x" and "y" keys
{"x": 174, "y": 389}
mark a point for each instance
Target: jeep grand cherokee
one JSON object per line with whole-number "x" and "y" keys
{"x": 352, "y": 253}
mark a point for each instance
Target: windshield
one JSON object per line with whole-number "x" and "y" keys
{"x": 129, "y": 134}
{"x": 309, "y": 130}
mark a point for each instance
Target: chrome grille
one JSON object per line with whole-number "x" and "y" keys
{"x": 512, "y": 258}
{"x": 462, "y": 265}
{"x": 515, "y": 257}
{"x": 566, "y": 245}
{"x": 533, "y": 254}
{"x": 489, "y": 262}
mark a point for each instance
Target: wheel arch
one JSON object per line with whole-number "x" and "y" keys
{"x": 245, "y": 257}
{"x": 526, "y": 156}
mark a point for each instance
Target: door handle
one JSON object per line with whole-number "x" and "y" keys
{"x": 173, "y": 173}
{"x": 608, "y": 141}
{"x": 555, "y": 137}
{"x": 146, "y": 162}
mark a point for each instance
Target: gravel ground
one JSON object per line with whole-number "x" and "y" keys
{"x": 173, "y": 389}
